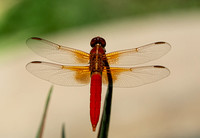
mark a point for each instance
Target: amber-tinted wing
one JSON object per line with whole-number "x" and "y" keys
{"x": 138, "y": 55}
{"x": 57, "y": 53}
{"x": 136, "y": 76}
{"x": 60, "y": 74}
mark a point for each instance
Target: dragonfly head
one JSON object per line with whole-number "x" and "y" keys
{"x": 98, "y": 40}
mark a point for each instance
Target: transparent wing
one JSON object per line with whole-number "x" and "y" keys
{"x": 136, "y": 76}
{"x": 60, "y": 74}
{"x": 138, "y": 55}
{"x": 57, "y": 53}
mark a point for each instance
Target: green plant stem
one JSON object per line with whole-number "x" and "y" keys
{"x": 41, "y": 128}
{"x": 105, "y": 120}
{"x": 63, "y": 130}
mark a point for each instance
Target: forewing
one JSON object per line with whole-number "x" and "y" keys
{"x": 60, "y": 74}
{"x": 138, "y": 55}
{"x": 136, "y": 76}
{"x": 57, "y": 53}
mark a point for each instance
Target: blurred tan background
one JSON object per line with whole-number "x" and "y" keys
{"x": 165, "y": 109}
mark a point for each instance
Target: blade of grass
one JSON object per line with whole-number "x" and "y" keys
{"x": 63, "y": 130}
{"x": 105, "y": 119}
{"x": 41, "y": 128}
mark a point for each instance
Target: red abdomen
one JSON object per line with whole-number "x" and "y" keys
{"x": 95, "y": 98}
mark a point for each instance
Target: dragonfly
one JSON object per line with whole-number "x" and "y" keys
{"x": 79, "y": 68}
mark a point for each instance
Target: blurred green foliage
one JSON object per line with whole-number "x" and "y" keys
{"x": 41, "y": 17}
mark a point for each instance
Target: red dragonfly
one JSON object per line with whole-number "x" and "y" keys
{"x": 80, "y": 68}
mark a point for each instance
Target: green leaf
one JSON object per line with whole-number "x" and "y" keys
{"x": 105, "y": 119}
{"x": 63, "y": 130}
{"x": 41, "y": 128}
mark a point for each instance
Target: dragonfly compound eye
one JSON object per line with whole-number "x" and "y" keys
{"x": 98, "y": 40}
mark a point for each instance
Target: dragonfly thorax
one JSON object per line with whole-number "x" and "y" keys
{"x": 96, "y": 63}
